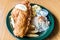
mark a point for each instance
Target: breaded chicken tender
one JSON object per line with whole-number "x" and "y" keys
{"x": 22, "y": 17}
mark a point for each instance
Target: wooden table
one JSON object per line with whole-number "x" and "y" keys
{"x": 52, "y": 5}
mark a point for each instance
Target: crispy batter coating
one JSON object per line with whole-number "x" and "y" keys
{"x": 22, "y": 20}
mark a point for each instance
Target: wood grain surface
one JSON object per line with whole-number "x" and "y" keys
{"x": 52, "y": 5}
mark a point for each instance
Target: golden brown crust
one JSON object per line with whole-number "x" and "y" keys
{"x": 22, "y": 20}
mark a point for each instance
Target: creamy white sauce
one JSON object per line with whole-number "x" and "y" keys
{"x": 44, "y": 12}
{"x": 21, "y": 7}
{"x": 40, "y": 26}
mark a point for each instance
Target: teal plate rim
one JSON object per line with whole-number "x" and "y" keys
{"x": 43, "y": 35}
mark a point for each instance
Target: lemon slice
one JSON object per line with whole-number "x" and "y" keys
{"x": 12, "y": 21}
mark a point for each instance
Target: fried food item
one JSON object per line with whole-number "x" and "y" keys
{"x": 21, "y": 20}
{"x": 32, "y": 29}
{"x": 32, "y": 35}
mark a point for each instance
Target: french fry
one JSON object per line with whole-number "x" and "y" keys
{"x": 32, "y": 35}
{"x": 34, "y": 31}
{"x": 32, "y": 27}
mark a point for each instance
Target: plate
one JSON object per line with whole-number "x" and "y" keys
{"x": 42, "y": 35}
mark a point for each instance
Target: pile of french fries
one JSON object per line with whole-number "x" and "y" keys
{"x": 32, "y": 32}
